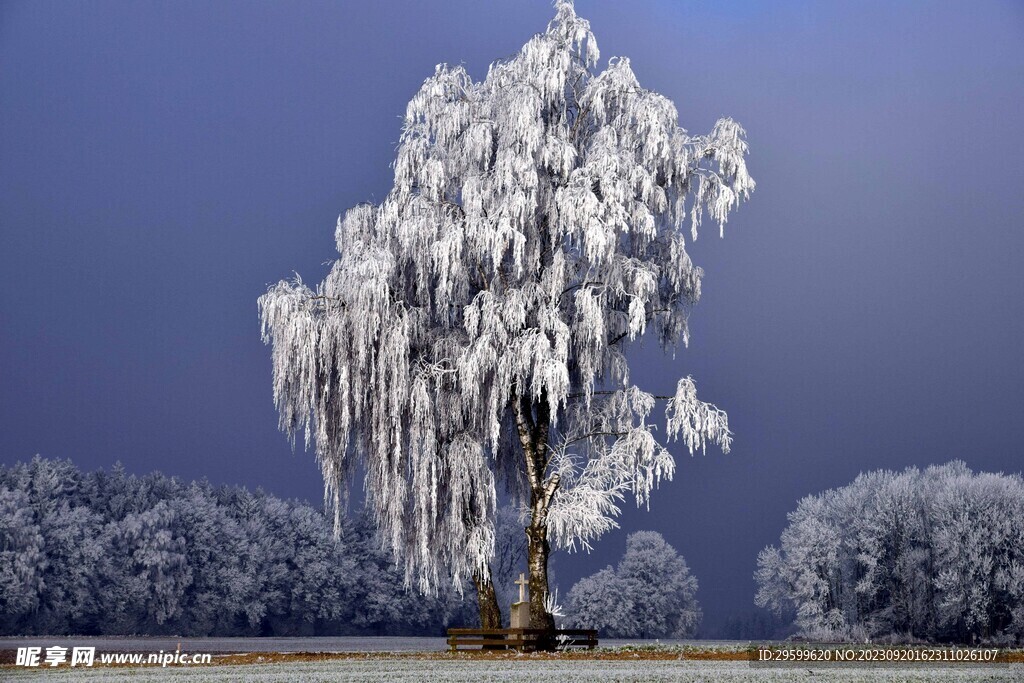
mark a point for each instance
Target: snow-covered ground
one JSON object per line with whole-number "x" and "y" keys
{"x": 392, "y": 670}
{"x": 406, "y": 667}
{"x": 326, "y": 644}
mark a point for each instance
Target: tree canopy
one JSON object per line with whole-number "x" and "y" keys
{"x": 471, "y": 336}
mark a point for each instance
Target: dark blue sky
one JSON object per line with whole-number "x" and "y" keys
{"x": 161, "y": 163}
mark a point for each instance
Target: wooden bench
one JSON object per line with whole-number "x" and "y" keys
{"x": 522, "y": 639}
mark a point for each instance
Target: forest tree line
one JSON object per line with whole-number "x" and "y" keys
{"x": 108, "y": 553}
{"x": 920, "y": 555}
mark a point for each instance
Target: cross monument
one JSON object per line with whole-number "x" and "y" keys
{"x": 521, "y": 610}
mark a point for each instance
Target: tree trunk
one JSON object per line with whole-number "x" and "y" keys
{"x": 487, "y": 600}
{"x": 538, "y": 550}
{"x": 533, "y": 421}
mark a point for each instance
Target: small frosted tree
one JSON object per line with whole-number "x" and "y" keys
{"x": 471, "y": 336}
{"x": 651, "y": 594}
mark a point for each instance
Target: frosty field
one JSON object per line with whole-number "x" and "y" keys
{"x": 389, "y": 659}
{"x": 407, "y": 669}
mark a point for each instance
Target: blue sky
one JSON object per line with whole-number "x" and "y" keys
{"x": 161, "y": 163}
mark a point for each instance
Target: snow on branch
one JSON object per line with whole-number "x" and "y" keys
{"x": 609, "y": 453}
{"x": 696, "y": 422}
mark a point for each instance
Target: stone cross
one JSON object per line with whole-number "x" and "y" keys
{"x": 522, "y": 583}
{"x": 520, "y": 610}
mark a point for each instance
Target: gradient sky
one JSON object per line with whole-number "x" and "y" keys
{"x": 162, "y": 162}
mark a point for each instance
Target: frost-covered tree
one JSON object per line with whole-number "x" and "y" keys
{"x": 74, "y": 552}
{"x": 22, "y": 560}
{"x": 214, "y": 545}
{"x": 650, "y": 594}
{"x": 664, "y": 590}
{"x": 601, "y": 601}
{"x": 916, "y": 555}
{"x": 471, "y": 336}
{"x": 153, "y": 567}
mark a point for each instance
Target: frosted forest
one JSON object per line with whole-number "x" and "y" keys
{"x": 919, "y": 555}
{"x": 934, "y": 555}
{"x": 108, "y": 553}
